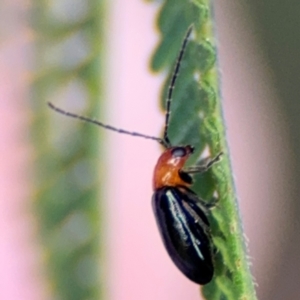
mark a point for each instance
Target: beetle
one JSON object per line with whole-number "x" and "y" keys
{"x": 181, "y": 216}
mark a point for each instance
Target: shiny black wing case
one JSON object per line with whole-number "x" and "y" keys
{"x": 184, "y": 229}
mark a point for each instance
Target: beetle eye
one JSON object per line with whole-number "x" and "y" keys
{"x": 179, "y": 152}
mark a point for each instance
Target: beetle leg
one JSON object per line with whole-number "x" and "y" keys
{"x": 203, "y": 165}
{"x": 204, "y": 205}
{"x": 212, "y": 203}
{"x": 207, "y": 205}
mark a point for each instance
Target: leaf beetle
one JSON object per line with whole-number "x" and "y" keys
{"x": 181, "y": 216}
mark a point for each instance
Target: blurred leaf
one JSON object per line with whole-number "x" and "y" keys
{"x": 68, "y": 72}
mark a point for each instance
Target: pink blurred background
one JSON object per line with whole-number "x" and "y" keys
{"x": 139, "y": 266}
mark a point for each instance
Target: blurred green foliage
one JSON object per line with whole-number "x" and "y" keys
{"x": 68, "y": 70}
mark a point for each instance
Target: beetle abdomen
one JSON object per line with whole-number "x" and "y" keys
{"x": 184, "y": 229}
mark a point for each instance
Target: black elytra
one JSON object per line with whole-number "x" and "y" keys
{"x": 184, "y": 229}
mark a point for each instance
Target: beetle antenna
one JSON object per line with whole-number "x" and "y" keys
{"x": 85, "y": 119}
{"x": 172, "y": 84}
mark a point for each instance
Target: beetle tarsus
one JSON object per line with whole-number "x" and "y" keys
{"x": 204, "y": 165}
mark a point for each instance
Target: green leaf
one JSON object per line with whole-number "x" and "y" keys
{"x": 69, "y": 61}
{"x": 197, "y": 119}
